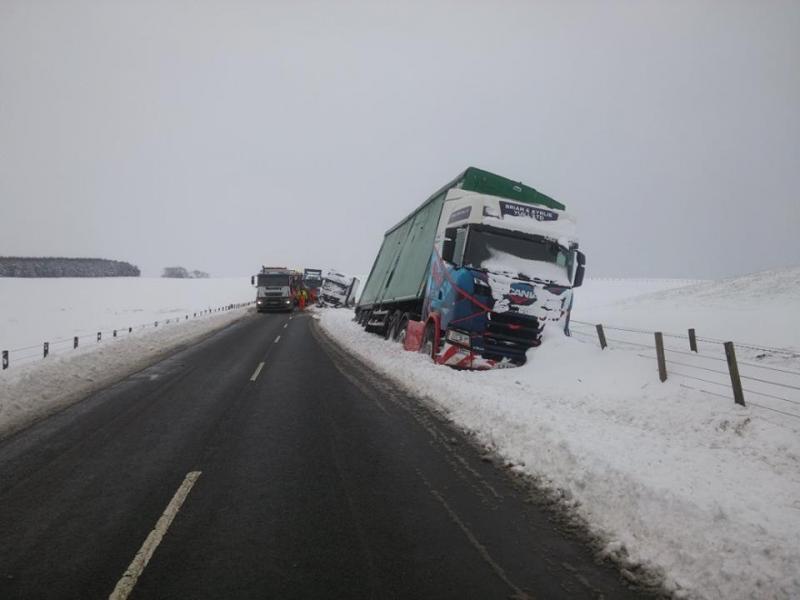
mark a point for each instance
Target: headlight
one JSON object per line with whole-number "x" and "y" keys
{"x": 288, "y": 301}
{"x": 458, "y": 337}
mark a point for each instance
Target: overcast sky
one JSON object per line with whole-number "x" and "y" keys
{"x": 225, "y": 135}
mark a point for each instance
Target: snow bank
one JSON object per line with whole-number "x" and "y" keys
{"x": 34, "y": 390}
{"x": 701, "y": 491}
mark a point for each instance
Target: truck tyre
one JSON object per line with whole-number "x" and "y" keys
{"x": 391, "y": 325}
{"x": 428, "y": 339}
{"x": 400, "y": 328}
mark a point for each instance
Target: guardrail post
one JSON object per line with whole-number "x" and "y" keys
{"x": 75, "y": 342}
{"x": 155, "y": 324}
{"x": 733, "y": 368}
{"x": 115, "y": 333}
{"x": 662, "y": 361}
{"x": 45, "y": 349}
{"x": 99, "y": 335}
{"x": 130, "y": 329}
{"x": 5, "y": 359}
{"x": 602, "y": 336}
{"x": 692, "y": 341}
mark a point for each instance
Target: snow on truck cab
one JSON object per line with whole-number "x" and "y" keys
{"x": 474, "y": 275}
{"x": 276, "y": 288}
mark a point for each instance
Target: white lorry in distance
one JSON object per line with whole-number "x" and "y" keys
{"x": 338, "y": 290}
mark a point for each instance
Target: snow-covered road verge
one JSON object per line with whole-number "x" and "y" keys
{"x": 705, "y": 493}
{"x": 31, "y": 391}
{"x": 33, "y": 311}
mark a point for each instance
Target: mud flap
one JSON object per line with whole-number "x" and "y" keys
{"x": 414, "y": 333}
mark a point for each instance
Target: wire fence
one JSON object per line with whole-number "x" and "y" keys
{"x": 27, "y": 354}
{"x": 769, "y": 377}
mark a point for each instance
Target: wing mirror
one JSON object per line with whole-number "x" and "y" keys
{"x": 580, "y": 269}
{"x": 460, "y": 247}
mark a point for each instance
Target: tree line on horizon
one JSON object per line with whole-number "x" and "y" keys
{"x": 183, "y": 273}
{"x": 51, "y": 266}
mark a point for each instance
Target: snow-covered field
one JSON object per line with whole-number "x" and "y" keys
{"x": 33, "y": 311}
{"x": 682, "y": 482}
{"x": 760, "y": 309}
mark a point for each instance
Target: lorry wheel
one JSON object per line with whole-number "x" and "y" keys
{"x": 391, "y": 325}
{"x": 401, "y": 328}
{"x": 428, "y": 341}
{"x": 365, "y": 320}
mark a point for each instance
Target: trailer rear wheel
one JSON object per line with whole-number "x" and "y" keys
{"x": 394, "y": 323}
{"x": 401, "y": 327}
{"x": 388, "y": 326}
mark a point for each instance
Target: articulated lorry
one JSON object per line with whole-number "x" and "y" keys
{"x": 473, "y": 275}
{"x": 338, "y": 290}
{"x": 276, "y": 288}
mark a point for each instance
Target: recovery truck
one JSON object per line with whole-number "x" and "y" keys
{"x": 276, "y": 288}
{"x": 338, "y": 290}
{"x": 473, "y": 275}
{"x": 312, "y": 280}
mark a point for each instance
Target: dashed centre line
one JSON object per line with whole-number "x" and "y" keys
{"x": 277, "y": 339}
{"x": 128, "y": 580}
{"x": 257, "y": 371}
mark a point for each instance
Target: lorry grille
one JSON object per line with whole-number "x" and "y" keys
{"x": 510, "y": 335}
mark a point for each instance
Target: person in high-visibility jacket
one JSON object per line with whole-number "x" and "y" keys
{"x": 301, "y": 299}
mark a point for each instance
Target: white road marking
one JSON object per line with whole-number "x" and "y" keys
{"x": 136, "y": 568}
{"x": 258, "y": 371}
{"x": 277, "y": 339}
{"x": 285, "y": 326}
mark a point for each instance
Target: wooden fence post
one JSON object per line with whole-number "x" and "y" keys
{"x": 99, "y": 335}
{"x": 692, "y": 341}
{"x": 75, "y": 342}
{"x": 662, "y": 360}
{"x": 5, "y": 359}
{"x": 45, "y": 349}
{"x": 115, "y": 333}
{"x": 602, "y": 336}
{"x": 733, "y": 368}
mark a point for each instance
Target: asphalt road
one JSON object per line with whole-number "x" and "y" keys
{"x": 210, "y": 476}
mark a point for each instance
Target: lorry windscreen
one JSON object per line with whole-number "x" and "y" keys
{"x": 518, "y": 255}
{"x": 273, "y": 280}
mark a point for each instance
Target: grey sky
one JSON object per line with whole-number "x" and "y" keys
{"x": 225, "y": 135}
